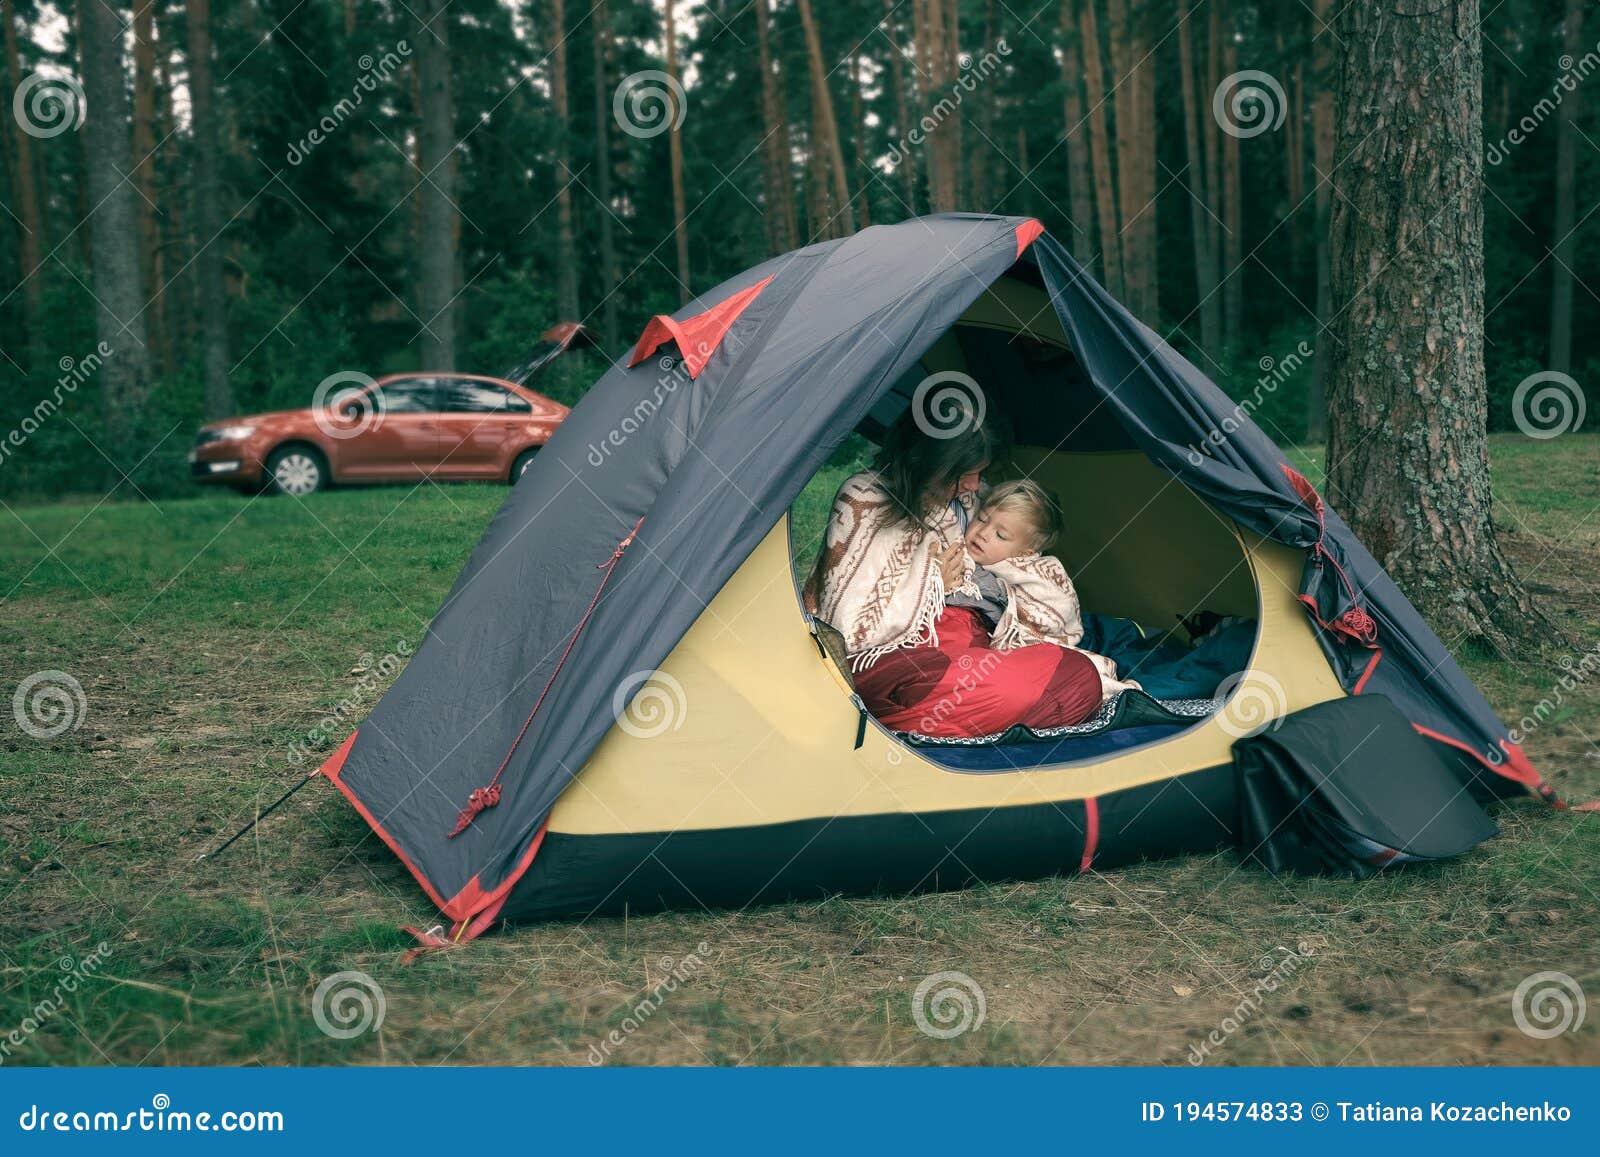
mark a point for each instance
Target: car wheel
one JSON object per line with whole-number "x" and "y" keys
{"x": 297, "y": 471}
{"x": 520, "y": 466}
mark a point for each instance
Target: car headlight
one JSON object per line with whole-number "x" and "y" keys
{"x": 234, "y": 433}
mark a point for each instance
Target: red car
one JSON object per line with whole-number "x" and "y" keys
{"x": 400, "y": 428}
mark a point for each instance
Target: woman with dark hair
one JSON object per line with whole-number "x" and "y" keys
{"x": 894, "y": 554}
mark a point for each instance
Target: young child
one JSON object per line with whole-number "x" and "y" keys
{"x": 1023, "y": 592}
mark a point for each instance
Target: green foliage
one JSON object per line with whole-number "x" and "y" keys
{"x": 321, "y": 239}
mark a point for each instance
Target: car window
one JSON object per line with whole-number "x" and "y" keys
{"x": 467, "y": 396}
{"x": 409, "y": 396}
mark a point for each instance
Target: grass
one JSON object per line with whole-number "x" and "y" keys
{"x": 212, "y": 636}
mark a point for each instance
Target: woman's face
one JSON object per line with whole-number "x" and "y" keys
{"x": 968, "y": 483}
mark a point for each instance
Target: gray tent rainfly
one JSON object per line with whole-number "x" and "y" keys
{"x": 678, "y": 464}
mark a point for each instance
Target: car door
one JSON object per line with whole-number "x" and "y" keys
{"x": 399, "y": 440}
{"x": 479, "y": 421}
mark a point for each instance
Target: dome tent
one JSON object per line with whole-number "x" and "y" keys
{"x": 645, "y": 556}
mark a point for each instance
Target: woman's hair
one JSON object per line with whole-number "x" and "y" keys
{"x": 1027, "y": 498}
{"x": 912, "y": 462}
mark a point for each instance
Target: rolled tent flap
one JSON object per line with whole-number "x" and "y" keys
{"x": 1349, "y": 786}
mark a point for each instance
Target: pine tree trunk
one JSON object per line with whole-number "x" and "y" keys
{"x": 181, "y": 294}
{"x": 1563, "y": 228}
{"x": 1143, "y": 224}
{"x": 566, "y": 243}
{"x": 680, "y": 223}
{"x": 782, "y": 234}
{"x": 1105, "y": 194}
{"x": 950, "y": 133}
{"x": 1211, "y": 136}
{"x": 610, "y": 331}
{"x": 1205, "y": 266}
{"x": 832, "y": 189}
{"x": 858, "y": 121}
{"x": 902, "y": 112}
{"x": 1232, "y": 211}
{"x": 25, "y": 193}
{"x": 114, "y": 228}
{"x": 1122, "y": 101}
{"x": 980, "y": 150}
{"x": 1408, "y": 461}
{"x": 1322, "y": 162}
{"x": 206, "y": 191}
{"x": 436, "y": 144}
{"x": 144, "y": 177}
{"x": 1079, "y": 183}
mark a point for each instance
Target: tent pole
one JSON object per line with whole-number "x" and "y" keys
{"x": 259, "y": 817}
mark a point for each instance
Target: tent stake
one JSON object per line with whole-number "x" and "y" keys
{"x": 259, "y": 817}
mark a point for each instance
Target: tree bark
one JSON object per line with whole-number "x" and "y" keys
{"x": 1143, "y": 63}
{"x": 1122, "y": 100}
{"x": 833, "y": 191}
{"x": 858, "y": 122}
{"x": 144, "y": 177}
{"x": 1205, "y": 264}
{"x": 1563, "y": 228}
{"x": 1322, "y": 163}
{"x": 782, "y": 233}
{"x": 436, "y": 145}
{"x": 566, "y": 244}
{"x": 208, "y": 216}
{"x": 601, "y": 45}
{"x": 25, "y": 192}
{"x": 1232, "y": 209}
{"x": 902, "y": 112}
{"x": 1105, "y": 195}
{"x": 980, "y": 150}
{"x": 1080, "y": 190}
{"x": 1408, "y": 461}
{"x": 113, "y": 224}
{"x": 680, "y": 223}
{"x": 1211, "y": 137}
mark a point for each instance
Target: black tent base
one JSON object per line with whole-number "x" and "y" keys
{"x": 730, "y": 869}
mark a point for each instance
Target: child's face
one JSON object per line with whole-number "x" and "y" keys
{"x": 996, "y": 535}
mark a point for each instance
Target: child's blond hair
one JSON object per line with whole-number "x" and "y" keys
{"x": 1038, "y": 505}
